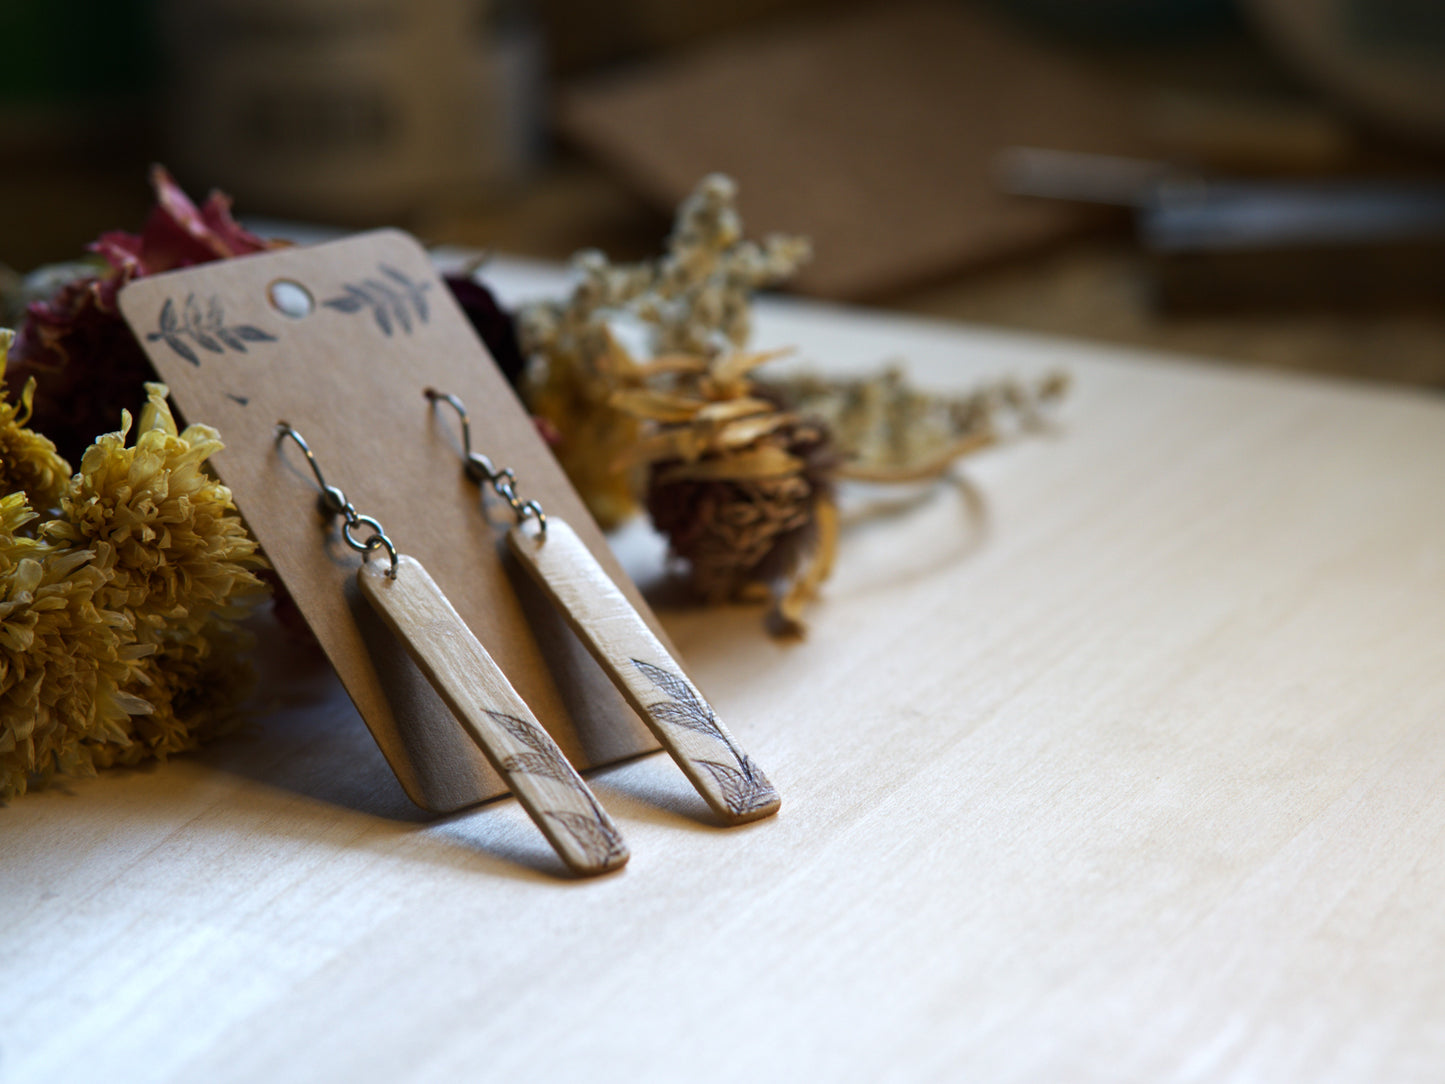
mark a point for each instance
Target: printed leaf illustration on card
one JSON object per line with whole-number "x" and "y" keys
{"x": 190, "y": 328}
{"x": 393, "y": 298}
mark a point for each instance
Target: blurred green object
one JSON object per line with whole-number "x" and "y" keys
{"x": 76, "y": 52}
{"x": 1385, "y": 58}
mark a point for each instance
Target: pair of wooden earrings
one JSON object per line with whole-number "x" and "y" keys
{"x": 472, "y": 685}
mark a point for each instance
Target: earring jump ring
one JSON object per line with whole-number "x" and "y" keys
{"x": 374, "y": 541}
{"x": 335, "y": 502}
{"x": 480, "y": 468}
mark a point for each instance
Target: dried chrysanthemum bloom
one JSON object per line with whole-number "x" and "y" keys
{"x": 166, "y": 532}
{"x": 29, "y": 462}
{"x": 118, "y": 623}
{"x": 740, "y": 486}
{"x": 194, "y": 683}
{"x": 67, "y": 668}
{"x": 695, "y": 299}
{"x": 742, "y": 472}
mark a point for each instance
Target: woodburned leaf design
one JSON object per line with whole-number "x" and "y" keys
{"x": 599, "y": 840}
{"x": 545, "y": 758}
{"x": 745, "y": 788}
{"x": 206, "y": 328}
{"x": 687, "y": 708}
{"x": 685, "y": 716}
{"x": 393, "y": 298}
{"x": 538, "y": 764}
{"x": 595, "y": 834}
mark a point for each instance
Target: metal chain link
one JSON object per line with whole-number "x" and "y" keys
{"x": 481, "y": 469}
{"x": 335, "y": 502}
{"x": 504, "y": 485}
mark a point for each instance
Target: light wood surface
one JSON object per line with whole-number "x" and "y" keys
{"x": 487, "y": 707}
{"x": 1119, "y": 757}
{"x": 679, "y": 716}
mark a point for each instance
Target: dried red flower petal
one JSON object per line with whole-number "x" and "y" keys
{"x": 86, "y": 362}
{"x": 494, "y": 325}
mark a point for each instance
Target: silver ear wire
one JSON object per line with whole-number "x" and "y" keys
{"x": 336, "y": 503}
{"x": 332, "y": 497}
{"x": 481, "y": 469}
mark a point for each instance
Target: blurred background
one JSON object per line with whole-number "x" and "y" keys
{"x": 1256, "y": 180}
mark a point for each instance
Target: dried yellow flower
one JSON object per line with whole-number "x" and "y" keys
{"x": 29, "y": 462}
{"x": 119, "y": 639}
{"x": 163, "y": 529}
{"x": 740, "y": 486}
{"x": 741, "y": 472}
{"x": 66, "y": 663}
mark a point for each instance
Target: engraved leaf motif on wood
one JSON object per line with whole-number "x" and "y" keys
{"x": 529, "y": 734}
{"x": 745, "y": 788}
{"x": 686, "y": 708}
{"x": 600, "y": 841}
{"x": 683, "y": 715}
{"x": 537, "y": 764}
{"x": 545, "y": 758}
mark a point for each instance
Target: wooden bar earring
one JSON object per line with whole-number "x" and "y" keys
{"x": 411, "y": 604}
{"x": 648, "y": 677}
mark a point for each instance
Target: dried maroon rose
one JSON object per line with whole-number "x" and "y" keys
{"x": 494, "y": 325}
{"x": 87, "y": 364}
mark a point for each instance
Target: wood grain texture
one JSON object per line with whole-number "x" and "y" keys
{"x": 649, "y": 677}
{"x": 489, "y": 709}
{"x": 1117, "y": 757}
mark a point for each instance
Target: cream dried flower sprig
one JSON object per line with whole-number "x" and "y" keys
{"x": 738, "y": 473}
{"x": 889, "y": 431}
{"x": 694, "y": 299}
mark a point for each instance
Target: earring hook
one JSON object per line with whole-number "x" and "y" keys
{"x": 332, "y": 497}
{"x": 478, "y": 467}
{"x": 335, "y": 502}
{"x": 435, "y": 395}
{"x": 481, "y": 469}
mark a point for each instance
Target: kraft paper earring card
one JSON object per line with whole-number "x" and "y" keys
{"x": 346, "y": 335}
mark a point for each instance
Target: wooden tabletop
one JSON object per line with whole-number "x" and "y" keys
{"x": 1118, "y": 757}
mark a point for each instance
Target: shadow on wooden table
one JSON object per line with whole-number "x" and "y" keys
{"x": 306, "y": 739}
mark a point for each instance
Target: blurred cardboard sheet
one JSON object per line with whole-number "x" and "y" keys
{"x": 874, "y": 133}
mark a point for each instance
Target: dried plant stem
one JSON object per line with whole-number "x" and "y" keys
{"x": 925, "y": 471}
